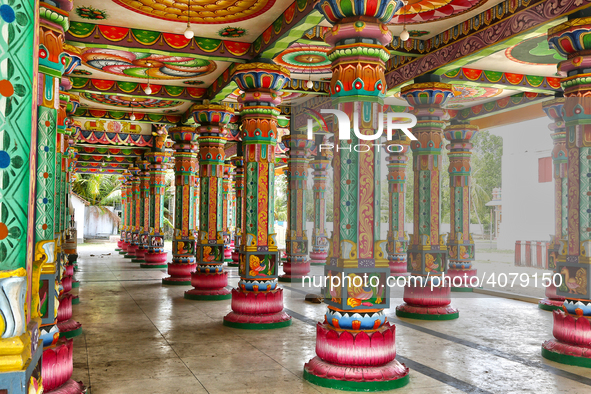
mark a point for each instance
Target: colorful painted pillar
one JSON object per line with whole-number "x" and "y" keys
{"x": 158, "y": 158}
{"x": 238, "y": 163}
{"x": 297, "y": 264}
{"x": 428, "y": 250}
{"x": 135, "y": 212}
{"x": 20, "y": 350}
{"x": 572, "y": 329}
{"x": 127, "y": 228}
{"x": 460, "y": 244}
{"x": 397, "y": 238}
{"x": 183, "y": 243}
{"x": 319, "y": 166}
{"x": 144, "y": 211}
{"x": 355, "y": 345}
{"x": 553, "y": 108}
{"x": 122, "y": 247}
{"x": 227, "y": 211}
{"x": 210, "y": 279}
{"x": 258, "y": 301}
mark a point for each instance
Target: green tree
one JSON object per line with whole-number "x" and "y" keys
{"x": 98, "y": 189}
{"x": 281, "y": 197}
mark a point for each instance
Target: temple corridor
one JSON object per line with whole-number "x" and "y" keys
{"x": 140, "y": 335}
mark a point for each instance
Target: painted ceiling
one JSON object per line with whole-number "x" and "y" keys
{"x": 127, "y": 45}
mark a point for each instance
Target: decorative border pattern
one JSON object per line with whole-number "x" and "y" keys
{"x": 523, "y": 17}
{"x": 100, "y": 137}
{"x": 82, "y": 112}
{"x": 500, "y": 105}
{"x": 101, "y": 36}
{"x": 496, "y": 79}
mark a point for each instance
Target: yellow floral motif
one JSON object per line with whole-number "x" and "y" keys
{"x": 255, "y": 266}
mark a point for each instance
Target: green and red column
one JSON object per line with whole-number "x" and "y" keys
{"x": 238, "y": 163}
{"x": 144, "y": 211}
{"x": 297, "y": 264}
{"x": 319, "y": 165}
{"x": 155, "y": 256}
{"x": 460, "y": 244}
{"x": 209, "y": 280}
{"x": 355, "y": 345}
{"x": 572, "y": 328}
{"x": 134, "y": 233}
{"x": 427, "y": 252}
{"x": 553, "y": 108}
{"x": 258, "y": 301}
{"x": 227, "y": 211}
{"x": 127, "y": 227}
{"x": 121, "y": 242}
{"x": 183, "y": 242}
{"x": 397, "y": 238}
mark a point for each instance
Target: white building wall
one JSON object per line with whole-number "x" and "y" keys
{"x": 527, "y": 205}
{"x": 79, "y": 208}
{"x": 98, "y": 223}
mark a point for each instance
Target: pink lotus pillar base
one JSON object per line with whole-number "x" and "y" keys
{"x": 235, "y": 258}
{"x": 460, "y": 280}
{"x": 70, "y": 387}
{"x": 358, "y": 361}
{"x": 572, "y": 343}
{"x": 294, "y": 272}
{"x": 124, "y": 246}
{"x": 131, "y": 251}
{"x": 58, "y": 366}
{"x": 209, "y": 287}
{"x": 318, "y": 258}
{"x": 398, "y": 268}
{"x": 257, "y": 310}
{"x": 155, "y": 260}
{"x": 180, "y": 274}
{"x": 426, "y": 304}
{"x": 552, "y": 301}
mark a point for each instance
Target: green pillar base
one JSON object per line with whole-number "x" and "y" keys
{"x": 317, "y": 263}
{"x": 123, "y": 252}
{"x": 75, "y": 301}
{"x": 228, "y": 260}
{"x": 566, "y": 359}
{"x": 462, "y": 289}
{"x": 71, "y": 334}
{"x": 293, "y": 280}
{"x": 235, "y": 265}
{"x": 424, "y": 316}
{"x": 252, "y": 326}
{"x": 549, "y": 307}
{"x": 127, "y": 256}
{"x": 153, "y": 265}
{"x": 211, "y": 297}
{"x": 176, "y": 282}
{"x": 357, "y": 386}
{"x": 75, "y": 284}
{"x": 117, "y": 250}
{"x": 136, "y": 260}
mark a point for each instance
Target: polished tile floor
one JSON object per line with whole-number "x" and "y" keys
{"x": 142, "y": 337}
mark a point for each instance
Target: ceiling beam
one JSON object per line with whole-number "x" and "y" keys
{"x": 140, "y": 117}
{"x": 518, "y": 21}
{"x": 134, "y": 89}
{"x": 82, "y": 34}
{"x": 499, "y": 106}
{"x": 501, "y": 80}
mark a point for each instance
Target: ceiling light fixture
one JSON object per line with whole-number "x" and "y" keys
{"x": 405, "y": 35}
{"x": 148, "y": 88}
{"x": 310, "y": 84}
{"x": 188, "y": 32}
{"x": 132, "y": 116}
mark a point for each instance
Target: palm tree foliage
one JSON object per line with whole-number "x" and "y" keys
{"x": 98, "y": 190}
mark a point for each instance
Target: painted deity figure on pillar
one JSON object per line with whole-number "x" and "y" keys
{"x": 238, "y": 163}
{"x": 427, "y": 254}
{"x": 183, "y": 243}
{"x": 553, "y": 108}
{"x": 319, "y": 164}
{"x": 357, "y": 268}
{"x": 572, "y": 328}
{"x": 158, "y": 157}
{"x": 297, "y": 264}
{"x": 210, "y": 280}
{"x": 397, "y": 238}
{"x": 258, "y": 301}
{"x": 460, "y": 243}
